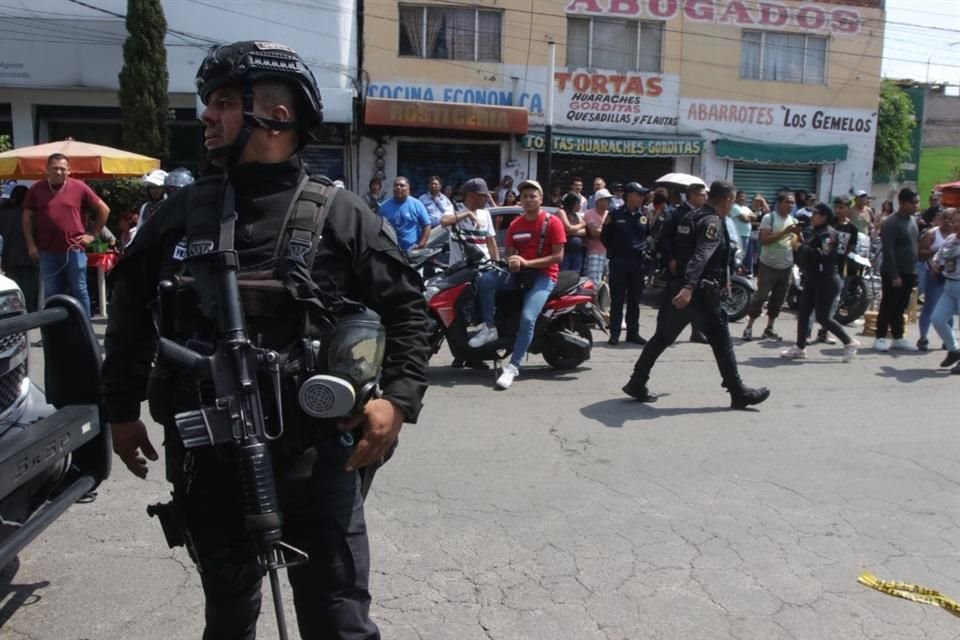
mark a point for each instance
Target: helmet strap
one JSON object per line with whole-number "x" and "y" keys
{"x": 251, "y": 121}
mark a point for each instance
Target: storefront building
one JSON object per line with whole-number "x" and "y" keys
{"x": 59, "y": 73}
{"x": 767, "y": 94}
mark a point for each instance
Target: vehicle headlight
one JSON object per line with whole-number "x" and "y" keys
{"x": 430, "y": 291}
{"x": 12, "y": 303}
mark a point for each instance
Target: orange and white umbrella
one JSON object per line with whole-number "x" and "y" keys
{"x": 87, "y": 161}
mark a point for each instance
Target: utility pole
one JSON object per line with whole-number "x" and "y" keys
{"x": 548, "y": 130}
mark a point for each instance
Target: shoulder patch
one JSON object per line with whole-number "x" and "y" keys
{"x": 712, "y": 231}
{"x": 180, "y": 251}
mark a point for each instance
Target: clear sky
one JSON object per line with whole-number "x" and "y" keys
{"x": 922, "y": 30}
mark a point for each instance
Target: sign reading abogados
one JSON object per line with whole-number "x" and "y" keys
{"x": 591, "y": 146}
{"x": 742, "y": 13}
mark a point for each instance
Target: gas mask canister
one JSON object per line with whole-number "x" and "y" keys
{"x": 342, "y": 368}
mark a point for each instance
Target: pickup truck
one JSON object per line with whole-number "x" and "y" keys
{"x": 54, "y": 442}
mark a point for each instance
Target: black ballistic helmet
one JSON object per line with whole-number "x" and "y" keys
{"x": 245, "y": 63}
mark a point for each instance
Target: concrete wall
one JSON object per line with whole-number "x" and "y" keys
{"x": 941, "y": 120}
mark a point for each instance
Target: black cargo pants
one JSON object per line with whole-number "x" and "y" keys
{"x": 322, "y": 515}
{"x": 705, "y": 314}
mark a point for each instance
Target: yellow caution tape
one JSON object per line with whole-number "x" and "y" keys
{"x": 907, "y": 591}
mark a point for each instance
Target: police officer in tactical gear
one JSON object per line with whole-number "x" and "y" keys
{"x": 261, "y": 103}
{"x": 701, "y": 249}
{"x": 625, "y": 233}
{"x": 696, "y": 197}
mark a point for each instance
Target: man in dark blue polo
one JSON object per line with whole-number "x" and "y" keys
{"x": 624, "y": 234}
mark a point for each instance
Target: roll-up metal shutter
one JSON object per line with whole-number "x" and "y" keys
{"x": 455, "y": 163}
{"x": 770, "y": 180}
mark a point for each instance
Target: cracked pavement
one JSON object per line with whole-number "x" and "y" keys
{"x": 561, "y": 510}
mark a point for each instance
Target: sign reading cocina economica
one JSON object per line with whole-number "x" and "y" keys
{"x": 743, "y": 13}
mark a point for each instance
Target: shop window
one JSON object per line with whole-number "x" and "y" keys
{"x": 783, "y": 57}
{"x": 614, "y": 44}
{"x": 446, "y": 33}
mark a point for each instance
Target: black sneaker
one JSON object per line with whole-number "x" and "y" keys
{"x": 637, "y": 340}
{"x": 747, "y": 397}
{"x": 639, "y": 392}
{"x": 953, "y": 357}
{"x": 613, "y": 341}
{"x": 923, "y": 344}
{"x": 697, "y": 337}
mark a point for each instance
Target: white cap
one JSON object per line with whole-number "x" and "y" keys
{"x": 601, "y": 194}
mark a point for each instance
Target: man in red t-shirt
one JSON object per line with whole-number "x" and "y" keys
{"x": 54, "y": 229}
{"x": 535, "y": 243}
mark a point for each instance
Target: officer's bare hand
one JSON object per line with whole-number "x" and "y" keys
{"x": 515, "y": 263}
{"x": 682, "y": 299}
{"x": 131, "y": 443}
{"x": 381, "y": 421}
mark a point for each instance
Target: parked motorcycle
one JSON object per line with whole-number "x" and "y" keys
{"x": 736, "y": 299}
{"x": 562, "y": 334}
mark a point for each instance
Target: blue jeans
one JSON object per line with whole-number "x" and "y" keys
{"x": 932, "y": 288}
{"x": 533, "y": 300}
{"x": 947, "y": 307}
{"x": 747, "y": 247}
{"x": 65, "y": 273}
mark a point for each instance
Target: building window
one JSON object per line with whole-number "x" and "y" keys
{"x": 445, "y": 33}
{"x": 783, "y": 57}
{"x": 622, "y": 45}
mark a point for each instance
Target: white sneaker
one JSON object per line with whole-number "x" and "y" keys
{"x": 881, "y": 344}
{"x": 850, "y": 351}
{"x": 506, "y": 378}
{"x": 902, "y": 344}
{"x": 484, "y": 336}
{"x": 794, "y": 353}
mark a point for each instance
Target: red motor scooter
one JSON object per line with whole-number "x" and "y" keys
{"x": 563, "y": 330}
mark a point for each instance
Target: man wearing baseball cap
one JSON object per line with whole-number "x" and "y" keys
{"x": 534, "y": 247}
{"x": 625, "y": 233}
{"x": 474, "y": 224}
{"x": 862, "y": 215}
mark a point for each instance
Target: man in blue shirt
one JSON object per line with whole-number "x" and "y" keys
{"x": 437, "y": 204}
{"x": 407, "y": 215}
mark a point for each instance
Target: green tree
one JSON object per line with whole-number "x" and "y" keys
{"x": 5, "y": 143}
{"x": 895, "y": 123}
{"x": 143, "y": 80}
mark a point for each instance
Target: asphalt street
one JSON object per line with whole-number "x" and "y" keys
{"x": 561, "y": 510}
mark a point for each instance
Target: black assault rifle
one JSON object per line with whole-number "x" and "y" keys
{"x": 233, "y": 417}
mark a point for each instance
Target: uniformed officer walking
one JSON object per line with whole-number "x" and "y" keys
{"x": 625, "y": 233}
{"x": 261, "y": 103}
{"x": 701, "y": 249}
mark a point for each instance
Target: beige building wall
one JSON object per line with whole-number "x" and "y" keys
{"x": 705, "y": 55}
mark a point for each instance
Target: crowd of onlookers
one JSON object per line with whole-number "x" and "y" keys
{"x": 910, "y": 249}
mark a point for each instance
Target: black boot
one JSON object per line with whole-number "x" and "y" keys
{"x": 698, "y": 337}
{"x": 638, "y": 391}
{"x": 745, "y": 397}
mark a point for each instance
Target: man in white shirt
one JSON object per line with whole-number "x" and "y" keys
{"x": 436, "y": 203}
{"x": 474, "y": 224}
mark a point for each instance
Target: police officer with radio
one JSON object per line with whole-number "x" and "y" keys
{"x": 624, "y": 234}
{"x": 305, "y": 251}
{"x": 701, "y": 249}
